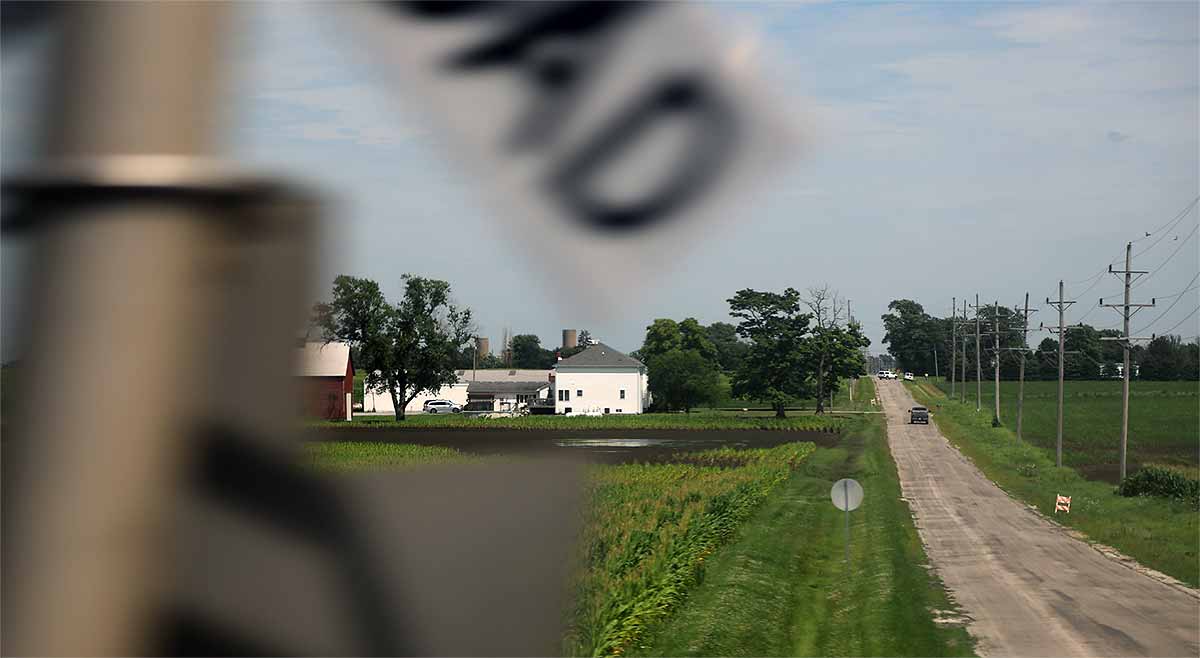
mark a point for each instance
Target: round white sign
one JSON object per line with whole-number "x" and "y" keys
{"x": 847, "y": 494}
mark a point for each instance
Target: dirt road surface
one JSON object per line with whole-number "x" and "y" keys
{"x": 1029, "y": 587}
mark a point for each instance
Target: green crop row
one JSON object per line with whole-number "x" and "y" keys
{"x": 649, "y": 529}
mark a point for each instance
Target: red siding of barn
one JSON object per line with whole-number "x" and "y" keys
{"x": 325, "y": 397}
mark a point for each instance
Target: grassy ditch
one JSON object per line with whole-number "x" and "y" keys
{"x": 1160, "y": 533}
{"x": 782, "y": 588}
{"x": 674, "y": 421}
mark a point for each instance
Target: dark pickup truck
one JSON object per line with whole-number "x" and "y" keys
{"x": 918, "y": 415}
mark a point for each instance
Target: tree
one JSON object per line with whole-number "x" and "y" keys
{"x": 407, "y": 349}
{"x": 662, "y": 336}
{"x": 828, "y": 341}
{"x": 693, "y": 336}
{"x": 909, "y": 335}
{"x": 527, "y": 352}
{"x": 682, "y": 379}
{"x": 585, "y": 338}
{"x": 730, "y": 349}
{"x": 1165, "y": 358}
{"x": 775, "y": 367}
{"x": 1086, "y": 363}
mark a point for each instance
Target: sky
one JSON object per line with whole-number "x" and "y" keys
{"x": 948, "y": 150}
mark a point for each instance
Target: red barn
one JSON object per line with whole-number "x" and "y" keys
{"x": 328, "y": 380}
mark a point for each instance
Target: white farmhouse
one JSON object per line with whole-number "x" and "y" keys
{"x": 600, "y": 380}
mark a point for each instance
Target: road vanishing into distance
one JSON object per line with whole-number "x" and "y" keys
{"x": 1029, "y": 587}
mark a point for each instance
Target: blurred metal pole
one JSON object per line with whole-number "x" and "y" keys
{"x": 118, "y": 319}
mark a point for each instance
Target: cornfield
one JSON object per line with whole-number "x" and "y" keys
{"x": 649, "y": 530}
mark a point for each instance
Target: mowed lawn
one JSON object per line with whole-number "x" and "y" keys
{"x": 1164, "y": 421}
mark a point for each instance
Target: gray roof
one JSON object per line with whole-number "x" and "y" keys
{"x": 600, "y": 355}
{"x": 522, "y": 388}
{"x": 466, "y": 375}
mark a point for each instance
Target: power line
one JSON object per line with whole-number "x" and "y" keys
{"x": 1185, "y": 319}
{"x": 1162, "y": 264}
{"x": 1166, "y": 227}
{"x": 1178, "y": 297}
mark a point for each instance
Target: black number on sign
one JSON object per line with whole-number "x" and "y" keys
{"x": 711, "y": 140}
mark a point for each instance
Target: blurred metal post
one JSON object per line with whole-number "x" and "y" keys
{"x": 118, "y": 319}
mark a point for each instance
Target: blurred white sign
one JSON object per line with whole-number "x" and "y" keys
{"x": 609, "y": 133}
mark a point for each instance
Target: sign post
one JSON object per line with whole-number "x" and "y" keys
{"x": 847, "y": 495}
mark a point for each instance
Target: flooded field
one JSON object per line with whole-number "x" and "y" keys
{"x": 601, "y": 446}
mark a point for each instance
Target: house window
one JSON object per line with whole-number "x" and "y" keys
{"x": 564, "y": 395}
{"x": 567, "y": 410}
{"x": 606, "y": 410}
{"x": 579, "y": 392}
{"x": 619, "y": 411}
{"x": 622, "y": 394}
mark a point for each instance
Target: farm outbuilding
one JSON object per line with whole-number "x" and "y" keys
{"x": 327, "y": 375}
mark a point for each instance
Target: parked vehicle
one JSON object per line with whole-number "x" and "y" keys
{"x": 441, "y": 407}
{"x": 882, "y": 374}
{"x": 918, "y": 415}
{"x": 908, "y": 377}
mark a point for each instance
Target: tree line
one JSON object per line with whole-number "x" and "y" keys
{"x": 920, "y": 343}
{"x": 785, "y": 346}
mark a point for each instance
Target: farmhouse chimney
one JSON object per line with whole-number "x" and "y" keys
{"x": 570, "y": 338}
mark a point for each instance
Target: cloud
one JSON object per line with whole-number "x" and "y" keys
{"x": 1117, "y": 137}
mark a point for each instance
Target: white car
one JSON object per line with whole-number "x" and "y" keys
{"x": 908, "y": 376}
{"x": 441, "y": 407}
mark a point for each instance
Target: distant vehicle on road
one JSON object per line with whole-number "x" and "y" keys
{"x": 918, "y": 415}
{"x": 886, "y": 374}
{"x": 908, "y": 376}
{"x": 441, "y": 407}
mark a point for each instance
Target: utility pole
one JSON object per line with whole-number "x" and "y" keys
{"x": 978, "y": 361}
{"x": 1061, "y": 305}
{"x": 1023, "y": 348}
{"x": 953, "y": 344}
{"x": 996, "y": 357}
{"x": 1126, "y": 342}
{"x": 962, "y": 380}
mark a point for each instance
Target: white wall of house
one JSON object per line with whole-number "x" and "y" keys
{"x": 381, "y": 403}
{"x": 601, "y": 387}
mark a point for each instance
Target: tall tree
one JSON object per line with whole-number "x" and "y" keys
{"x": 775, "y": 367}
{"x": 406, "y": 349}
{"x": 693, "y": 336}
{"x": 730, "y": 349}
{"x": 527, "y": 352}
{"x": 682, "y": 379}
{"x": 909, "y": 335}
{"x": 662, "y": 336}
{"x": 827, "y": 336}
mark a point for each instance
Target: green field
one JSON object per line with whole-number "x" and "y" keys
{"x": 737, "y": 552}
{"x": 1164, "y": 421}
{"x": 782, "y": 588}
{"x": 1159, "y": 533}
{"x": 699, "y": 420}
